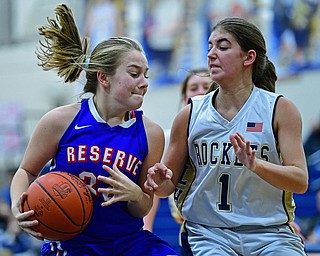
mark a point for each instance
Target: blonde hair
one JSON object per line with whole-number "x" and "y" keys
{"x": 63, "y": 50}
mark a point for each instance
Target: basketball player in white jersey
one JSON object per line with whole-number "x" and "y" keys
{"x": 235, "y": 155}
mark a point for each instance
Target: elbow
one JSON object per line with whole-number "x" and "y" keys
{"x": 302, "y": 182}
{"x": 302, "y": 188}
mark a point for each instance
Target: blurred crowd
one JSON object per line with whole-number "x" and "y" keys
{"x": 174, "y": 33}
{"x": 308, "y": 204}
{"x": 13, "y": 241}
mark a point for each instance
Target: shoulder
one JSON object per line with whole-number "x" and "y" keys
{"x": 286, "y": 106}
{"x": 287, "y": 114}
{"x": 64, "y": 112}
{"x": 201, "y": 101}
{"x": 155, "y": 137}
{"x": 181, "y": 121}
{"x": 184, "y": 113}
{"x": 50, "y": 129}
{"x": 59, "y": 118}
{"x": 152, "y": 127}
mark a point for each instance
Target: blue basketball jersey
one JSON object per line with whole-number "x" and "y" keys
{"x": 87, "y": 144}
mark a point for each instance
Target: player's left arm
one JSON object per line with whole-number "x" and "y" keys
{"x": 293, "y": 175}
{"x": 155, "y": 137}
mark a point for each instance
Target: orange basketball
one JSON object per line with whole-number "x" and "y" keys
{"x": 62, "y": 203}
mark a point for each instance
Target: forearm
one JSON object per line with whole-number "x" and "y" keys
{"x": 165, "y": 189}
{"x": 150, "y": 217}
{"x": 288, "y": 178}
{"x": 141, "y": 206}
{"x": 20, "y": 183}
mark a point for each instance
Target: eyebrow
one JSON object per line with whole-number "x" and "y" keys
{"x": 222, "y": 40}
{"x": 137, "y": 66}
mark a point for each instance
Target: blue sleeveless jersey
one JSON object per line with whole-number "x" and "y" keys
{"x": 87, "y": 144}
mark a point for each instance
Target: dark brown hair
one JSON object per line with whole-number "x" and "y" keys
{"x": 249, "y": 37}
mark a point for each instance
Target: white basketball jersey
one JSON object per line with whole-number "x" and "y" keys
{"x": 215, "y": 188}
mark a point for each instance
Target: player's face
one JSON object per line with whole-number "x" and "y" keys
{"x": 129, "y": 84}
{"x": 197, "y": 85}
{"x": 225, "y": 57}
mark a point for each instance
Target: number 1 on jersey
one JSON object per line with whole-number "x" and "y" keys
{"x": 224, "y": 181}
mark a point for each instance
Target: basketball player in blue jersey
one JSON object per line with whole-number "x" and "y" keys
{"x": 235, "y": 155}
{"x": 103, "y": 139}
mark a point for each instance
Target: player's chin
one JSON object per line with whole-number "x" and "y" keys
{"x": 215, "y": 77}
{"x": 137, "y": 99}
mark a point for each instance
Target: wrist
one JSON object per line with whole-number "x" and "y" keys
{"x": 255, "y": 166}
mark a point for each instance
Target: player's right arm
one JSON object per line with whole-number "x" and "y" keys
{"x": 40, "y": 150}
{"x": 163, "y": 177}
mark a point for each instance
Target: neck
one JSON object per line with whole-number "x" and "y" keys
{"x": 227, "y": 100}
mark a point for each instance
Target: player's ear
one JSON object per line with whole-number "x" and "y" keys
{"x": 102, "y": 78}
{"x": 249, "y": 58}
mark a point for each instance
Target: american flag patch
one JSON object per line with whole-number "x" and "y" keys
{"x": 254, "y": 127}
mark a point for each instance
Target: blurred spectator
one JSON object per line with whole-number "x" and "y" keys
{"x": 103, "y": 20}
{"x": 231, "y": 8}
{"x": 164, "y": 22}
{"x": 11, "y": 132}
{"x": 291, "y": 31}
{"x": 11, "y": 237}
{"x": 315, "y": 38}
{"x": 13, "y": 241}
{"x": 312, "y": 143}
{"x": 308, "y": 205}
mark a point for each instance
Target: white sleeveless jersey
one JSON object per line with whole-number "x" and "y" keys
{"x": 215, "y": 189}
